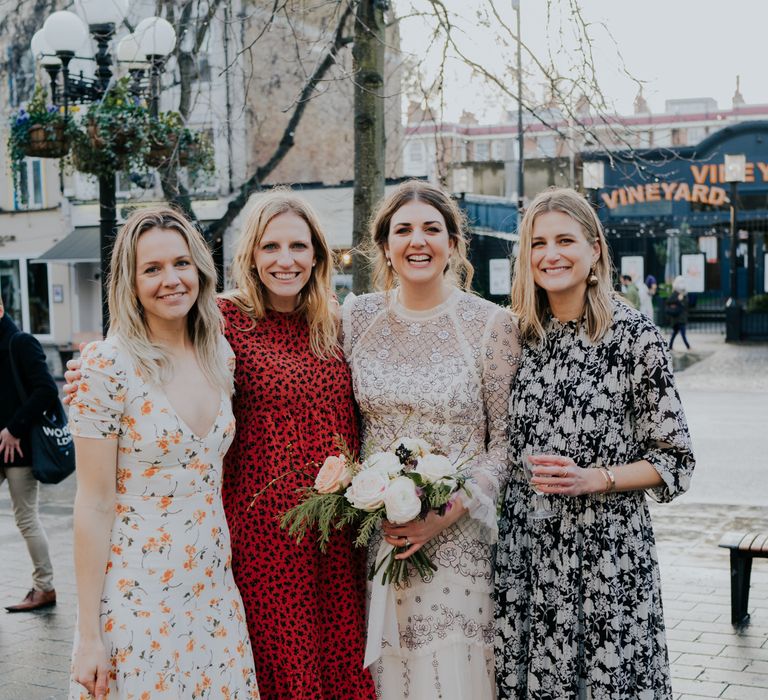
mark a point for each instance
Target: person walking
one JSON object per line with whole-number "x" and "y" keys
{"x": 596, "y": 417}
{"x": 647, "y": 291}
{"x": 16, "y": 419}
{"x": 676, "y": 307}
{"x": 630, "y": 291}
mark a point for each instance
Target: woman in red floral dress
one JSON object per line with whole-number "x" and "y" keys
{"x": 305, "y": 609}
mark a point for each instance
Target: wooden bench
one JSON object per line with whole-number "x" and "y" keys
{"x": 744, "y": 546}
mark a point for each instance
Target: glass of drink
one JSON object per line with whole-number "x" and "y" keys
{"x": 540, "y": 509}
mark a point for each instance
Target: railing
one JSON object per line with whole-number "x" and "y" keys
{"x": 706, "y": 313}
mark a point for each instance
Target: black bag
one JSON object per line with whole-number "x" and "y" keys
{"x": 53, "y": 451}
{"x": 674, "y": 307}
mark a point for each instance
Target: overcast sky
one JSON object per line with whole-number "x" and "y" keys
{"x": 679, "y": 48}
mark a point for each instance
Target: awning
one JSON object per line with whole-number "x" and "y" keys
{"x": 80, "y": 246}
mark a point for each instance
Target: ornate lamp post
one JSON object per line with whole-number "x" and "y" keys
{"x": 62, "y": 37}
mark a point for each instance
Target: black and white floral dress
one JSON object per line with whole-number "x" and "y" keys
{"x": 578, "y": 603}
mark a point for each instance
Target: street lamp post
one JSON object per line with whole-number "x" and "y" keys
{"x": 63, "y": 35}
{"x": 520, "y": 139}
{"x": 735, "y": 172}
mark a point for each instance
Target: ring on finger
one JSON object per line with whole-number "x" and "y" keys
{"x": 407, "y": 542}
{"x": 564, "y": 473}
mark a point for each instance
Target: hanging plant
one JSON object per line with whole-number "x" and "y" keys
{"x": 115, "y": 133}
{"x": 39, "y": 131}
{"x": 165, "y": 134}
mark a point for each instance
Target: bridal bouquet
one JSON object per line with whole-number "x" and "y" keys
{"x": 400, "y": 484}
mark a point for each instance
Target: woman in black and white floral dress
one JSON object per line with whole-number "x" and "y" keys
{"x": 578, "y": 606}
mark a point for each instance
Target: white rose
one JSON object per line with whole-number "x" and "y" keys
{"x": 434, "y": 467}
{"x": 366, "y": 492}
{"x": 401, "y": 501}
{"x": 416, "y": 446}
{"x": 384, "y": 462}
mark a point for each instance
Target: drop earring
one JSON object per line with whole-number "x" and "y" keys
{"x": 389, "y": 263}
{"x": 592, "y": 279}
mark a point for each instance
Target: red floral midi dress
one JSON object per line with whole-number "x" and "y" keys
{"x": 305, "y": 609}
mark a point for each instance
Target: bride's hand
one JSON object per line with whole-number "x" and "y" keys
{"x": 416, "y": 533}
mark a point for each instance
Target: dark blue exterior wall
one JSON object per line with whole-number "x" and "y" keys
{"x": 647, "y": 193}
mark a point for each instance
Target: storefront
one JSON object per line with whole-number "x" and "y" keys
{"x": 667, "y": 211}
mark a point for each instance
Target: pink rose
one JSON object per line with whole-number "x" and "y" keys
{"x": 333, "y": 475}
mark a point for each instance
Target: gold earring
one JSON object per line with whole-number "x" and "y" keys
{"x": 592, "y": 279}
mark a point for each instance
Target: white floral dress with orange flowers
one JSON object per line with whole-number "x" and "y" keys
{"x": 172, "y": 618}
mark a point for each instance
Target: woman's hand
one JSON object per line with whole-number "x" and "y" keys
{"x": 72, "y": 376}
{"x": 416, "y": 533}
{"x": 561, "y": 476}
{"x": 91, "y": 668}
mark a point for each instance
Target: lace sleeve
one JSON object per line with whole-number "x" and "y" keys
{"x": 489, "y": 471}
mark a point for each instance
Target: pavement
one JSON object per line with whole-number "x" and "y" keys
{"x": 724, "y": 389}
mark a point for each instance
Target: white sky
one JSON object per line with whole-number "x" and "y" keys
{"x": 679, "y": 48}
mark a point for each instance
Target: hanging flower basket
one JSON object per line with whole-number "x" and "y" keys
{"x": 161, "y": 151}
{"x": 47, "y": 141}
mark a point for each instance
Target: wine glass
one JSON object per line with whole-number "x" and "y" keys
{"x": 540, "y": 509}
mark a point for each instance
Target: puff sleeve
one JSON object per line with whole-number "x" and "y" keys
{"x": 97, "y": 408}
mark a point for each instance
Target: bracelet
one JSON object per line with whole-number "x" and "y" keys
{"x": 604, "y": 473}
{"x": 610, "y": 477}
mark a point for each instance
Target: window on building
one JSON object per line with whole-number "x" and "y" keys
{"x": 679, "y": 137}
{"x": 202, "y": 183}
{"x": 416, "y": 153}
{"x": 497, "y": 150}
{"x": 203, "y": 68}
{"x": 28, "y": 190}
{"x": 546, "y": 146}
{"x": 482, "y": 151}
{"x": 25, "y": 291}
{"x": 696, "y": 134}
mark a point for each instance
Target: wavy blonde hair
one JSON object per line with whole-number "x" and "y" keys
{"x": 460, "y": 268}
{"x": 315, "y": 299}
{"x": 528, "y": 301}
{"x": 127, "y": 322}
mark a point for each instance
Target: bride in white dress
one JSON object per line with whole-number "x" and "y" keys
{"x": 432, "y": 361}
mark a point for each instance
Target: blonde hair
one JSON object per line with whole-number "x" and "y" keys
{"x": 315, "y": 299}
{"x": 456, "y": 223}
{"x": 528, "y": 301}
{"x": 127, "y": 322}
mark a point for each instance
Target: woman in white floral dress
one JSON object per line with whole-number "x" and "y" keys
{"x": 578, "y": 597}
{"x": 159, "y": 615}
{"x": 431, "y": 361}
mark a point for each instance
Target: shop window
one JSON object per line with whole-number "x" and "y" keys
{"x": 24, "y": 287}
{"x": 28, "y": 192}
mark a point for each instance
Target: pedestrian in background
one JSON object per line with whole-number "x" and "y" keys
{"x": 676, "y": 307}
{"x": 647, "y": 291}
{"x": 16, "y": 419}
{"x": 595, "y": 409}
{"x": 630, "y": 291}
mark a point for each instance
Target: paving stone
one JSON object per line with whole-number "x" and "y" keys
{"x": 696, "y": 647}
{"x": 744, "y": 692}
{"x": 694, "y": 687}
{"x": 757, "y": 680}
{"x": 724, "y": 662}
{"x": 687, "y": 672}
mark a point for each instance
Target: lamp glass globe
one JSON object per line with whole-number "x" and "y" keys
{"x": 156, "y": 36}
{"x": 42, "y": 51}
{"x": 65, "y": 31}
{"x": 102, "y": 11}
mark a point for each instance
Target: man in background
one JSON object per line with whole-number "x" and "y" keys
{"x": 630, "y": 291}
{"x": 16, "y": 419}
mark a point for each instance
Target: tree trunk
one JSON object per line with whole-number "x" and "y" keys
{"x": 368, "y": 70}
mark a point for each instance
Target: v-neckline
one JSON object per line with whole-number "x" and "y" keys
{"x": 184, "y": 423}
